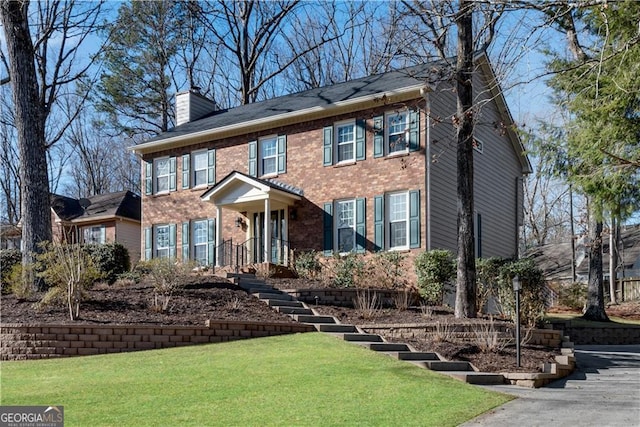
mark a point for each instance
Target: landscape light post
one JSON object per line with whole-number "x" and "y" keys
{"x": 516, "y": 288}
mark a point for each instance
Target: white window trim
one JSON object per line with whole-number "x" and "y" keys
{"x": 336, "y": 159}
{"x": 155, "y": 246}
{"x": 337, "y": 229}
{"x": 261, "y": 157}
{"x": 155, "y": 175}
{"x": 387, "y": 148}
{"x": 478, "y": 145}
{"x": 193, "y": 167}
{"x": 193, "y": 239}
{"x": 388, "y": 221}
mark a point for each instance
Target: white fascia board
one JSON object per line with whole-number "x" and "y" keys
{"x": 292, "y": 117}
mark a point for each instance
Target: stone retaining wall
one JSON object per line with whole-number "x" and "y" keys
{"x": 43, "y": 341}
{"x": 618, "y": 335}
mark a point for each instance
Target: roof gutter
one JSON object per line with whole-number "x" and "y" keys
{"x": 285, "y": 118}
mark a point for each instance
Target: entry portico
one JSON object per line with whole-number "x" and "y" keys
{"x": 266, "y": 205}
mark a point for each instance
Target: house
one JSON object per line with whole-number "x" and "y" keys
{"x": 554, "y": 259}
{"x": 362, "y": 166}
{"x": 10, "y": 236}
{"x": 103, "y": 218}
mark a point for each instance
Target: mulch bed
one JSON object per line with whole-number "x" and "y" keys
{"x": 211, "y": 299}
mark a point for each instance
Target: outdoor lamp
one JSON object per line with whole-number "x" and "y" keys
{"x": 517, "y": 287}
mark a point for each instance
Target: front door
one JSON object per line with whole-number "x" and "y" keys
{"x": 277, "y": 237}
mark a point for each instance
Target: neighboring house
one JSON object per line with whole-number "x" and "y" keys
{"x": 103, "y": 218}
{"x": 363, "y": 166}
{"x": 555, "y": 258}
{"x": 10, "y": 236}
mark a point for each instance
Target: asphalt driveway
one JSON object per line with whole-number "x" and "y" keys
{"x": 604, "y": 390}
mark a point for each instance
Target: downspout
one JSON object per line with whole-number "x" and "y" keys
{"x": 427, "y": 174}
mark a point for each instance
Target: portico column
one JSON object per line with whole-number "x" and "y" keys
{"x": 267, "y": 230}
{"x": 218, "y": 248}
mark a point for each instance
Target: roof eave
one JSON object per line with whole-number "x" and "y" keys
{"x": 293, "y": 117}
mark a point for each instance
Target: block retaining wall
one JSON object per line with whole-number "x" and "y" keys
{"x": 545, "y": 337}
{"x": 44, "y": 341}
{"x": 600, "y": 336}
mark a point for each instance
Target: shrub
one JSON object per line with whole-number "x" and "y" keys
{"x": 15, "y": 283}
{"x": 8, "y": 259}
{"x": 387, "y": 270}
{"x": 573, "y": 295}
{"x": 167, "y": 276}
{"x": 68, "y": 270}
{"x": 367, "y": 304}
{"x": 110, "y": 259}
{"x": 348, "y": 270}
{"x": 487, "y": 275}
{"x": 434, "y": 269}
{"x": 307, "y": 264}
{"x": 532, "y": 301}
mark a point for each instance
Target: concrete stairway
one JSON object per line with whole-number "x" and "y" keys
{"x": 301, "y": 312}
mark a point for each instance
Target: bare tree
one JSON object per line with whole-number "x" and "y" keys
{"x": 41, "y": 71}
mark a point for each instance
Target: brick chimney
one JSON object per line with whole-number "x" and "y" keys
{"x": 191, "y": 105}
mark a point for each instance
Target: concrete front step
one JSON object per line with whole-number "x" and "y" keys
{"x": 361, "y": 337}
{"x": 305, "y": 318}
{"x": 294, "y": 310}
{"x": 283, "y": 303}
{"x": 273, "y": 296}
{"x": 335, "y": 328}
{"x": 383, "y": 346}
{"x": 477, "y": 378}
{"x": 445, "y": 365}
{"x": 265, "y": 290}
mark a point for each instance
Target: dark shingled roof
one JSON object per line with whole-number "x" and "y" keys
{"x": 320, "y": 97}
{"x": 123, "y": 204}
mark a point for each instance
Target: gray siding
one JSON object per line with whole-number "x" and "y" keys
{"x": 496, "y": 171}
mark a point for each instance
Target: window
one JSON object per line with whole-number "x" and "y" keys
{"x": 200, "y": 241}
{"x": 268, "y": 156}
{"x": 346, "y": 230}
{"x": 200, "y": 166}
{"x": 162, "y": 241}
{"x": 477, "y": 145}
{"x": 345, "y": 141}
{"x": 96, "y": 234}
{"x": 162, "y": 172}
{"x": 398, "y": 221}
{"x": 397, "y": 132}
{"x": 345, "y": 225}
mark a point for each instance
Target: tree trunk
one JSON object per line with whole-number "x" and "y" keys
{"x": 29, "y": 122}
{"x": 595, "y": 291}
{"x": 613, "y": 258}
{"x": 466, "y": 274}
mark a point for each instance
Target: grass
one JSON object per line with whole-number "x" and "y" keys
{"x": 577, "y": 321}
{"x": 295, "y": 380}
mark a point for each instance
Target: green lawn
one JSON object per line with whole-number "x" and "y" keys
{"x": 296, "y": 380}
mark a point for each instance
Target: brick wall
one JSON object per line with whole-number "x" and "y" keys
{"x": 20, "y": 342}
{"x": 305, "y": 170}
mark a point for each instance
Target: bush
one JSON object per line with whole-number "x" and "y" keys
{"x": 487, "y": 275}
{"x": 348, "y": 270}
{"x": 532, "y": 301}
{"x": 387, "y": 269}
{"x": 573, "y": 295}
{"x": 307, "y": 264}
{"x": 110, "y": 259}
{"x": 8, "y": 259}
{"x": 434, "y": 269}
{"x": 68, "y": 270}
{"x": 167, "y": 276}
